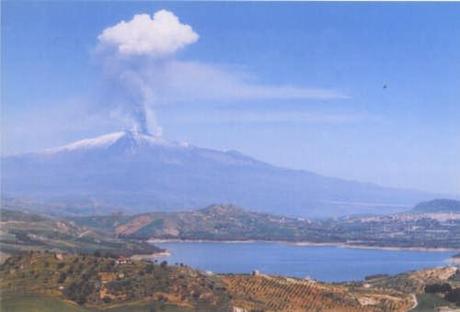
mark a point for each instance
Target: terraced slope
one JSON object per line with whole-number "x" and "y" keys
{"x": 414, "y": 282}
{"x": 268, "y": 293}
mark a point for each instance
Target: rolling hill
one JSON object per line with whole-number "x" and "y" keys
{"x": 216, "y": 222}
{"x": 229, "y": 222}
{"x": 21, "y": 232}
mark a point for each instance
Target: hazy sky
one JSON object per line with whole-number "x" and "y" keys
{"x": 361, "y": 91}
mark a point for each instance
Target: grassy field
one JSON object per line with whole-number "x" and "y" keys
{"x": 36, "y": 303}
{"x": 145, "y": 308}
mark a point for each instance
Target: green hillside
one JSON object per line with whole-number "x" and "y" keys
{"x": 21, "y": 231}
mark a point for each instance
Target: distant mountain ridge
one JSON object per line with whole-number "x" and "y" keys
{"x": 231, "y": 223}
{"x": 216, "y": 222}
{"x": 136, "y": 172}
{"x": 438, "y": 205}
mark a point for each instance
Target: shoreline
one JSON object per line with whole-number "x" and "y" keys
{"x": 151, "y": 256}
{"x": 304, "y": 243}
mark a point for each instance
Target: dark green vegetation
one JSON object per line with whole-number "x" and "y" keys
{"x": 438, "y": 205}
{"x": 23, "y": 231}
{"x": 429, "y": 301}
{"x": 432, "y": 287}
{"x": 227, "y": 222}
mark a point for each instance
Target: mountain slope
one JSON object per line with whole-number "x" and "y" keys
{"x": 438, "y": 206}
{"x": 134, "y": 172}
{"x": 21, "y": 232}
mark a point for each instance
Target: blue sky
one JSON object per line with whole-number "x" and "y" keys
{"x": 314, "y": 75}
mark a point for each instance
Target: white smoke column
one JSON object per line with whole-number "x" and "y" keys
{"x": 134, "y": 51}
{"x": 140, "y": 100}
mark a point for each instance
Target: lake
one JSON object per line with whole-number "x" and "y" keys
{"x": 325, "y": 263}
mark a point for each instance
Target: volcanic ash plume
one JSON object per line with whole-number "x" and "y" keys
{"x": 134, "y": 54}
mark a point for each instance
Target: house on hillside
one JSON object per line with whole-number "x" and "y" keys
{"x": 123, "y": 260}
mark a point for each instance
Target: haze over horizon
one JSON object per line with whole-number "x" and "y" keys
{"x": 316, "y": 86}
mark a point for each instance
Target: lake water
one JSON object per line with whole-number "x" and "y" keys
{"x": 326, "y": 263}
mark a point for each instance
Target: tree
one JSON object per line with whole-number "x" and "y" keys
{"x": 106, "y": 299}
{"x": 438, "y": 288}
{"x": 62, "y": 277}
{"x": 79, "y": 291}
{"x": 149, "y": 268}
{"x": 454, "y": 296}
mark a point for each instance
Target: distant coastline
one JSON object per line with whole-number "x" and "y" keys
{"x": 306, "y": 243}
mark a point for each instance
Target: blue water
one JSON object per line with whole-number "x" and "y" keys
{"x": 324, "y": 263}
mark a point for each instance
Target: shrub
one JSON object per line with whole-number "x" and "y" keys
{"x": 438, "y": 288}
{"x": 62, "y": 277}
{"x": 149, "y": 268}
{"x": 106, "y": 299}
{"x": 454, "y": 296}
{"x": 375, "y": 276}
{"x": 79, "y": 291}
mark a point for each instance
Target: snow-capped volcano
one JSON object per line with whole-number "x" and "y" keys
{"x": 130, "y": 147}
{"x": 136, "y": 172}
{"x": 98, "y": 142}
{"x": 128, "y": 139}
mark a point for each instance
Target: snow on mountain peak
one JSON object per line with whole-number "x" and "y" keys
{"x": 131, "y": 137}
